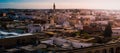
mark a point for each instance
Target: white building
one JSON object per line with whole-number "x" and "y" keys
{"x": 79, "y": 26}
{"x": 102, "y": 22}
{"x": 116, "y": 31}
{"x": 32, "y": 28}
{"x": 66, "y": 24}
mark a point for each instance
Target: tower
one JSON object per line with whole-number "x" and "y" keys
{"x": 52, "y": 19}
{"x": 54, "y": 7}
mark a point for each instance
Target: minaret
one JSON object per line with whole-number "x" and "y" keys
{"x": 54, "y": 7}
{"x": 52, "y": 19}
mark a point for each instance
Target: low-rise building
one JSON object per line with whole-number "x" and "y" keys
{"x": 116, "y": 31}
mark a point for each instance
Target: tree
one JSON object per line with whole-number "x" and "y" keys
{"x": 108, "y": 31}
{"x": 3, "y": 25}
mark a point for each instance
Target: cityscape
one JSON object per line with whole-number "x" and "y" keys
{"x": 59, "y": 30}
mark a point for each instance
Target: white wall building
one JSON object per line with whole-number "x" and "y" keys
{"x": 116, "y": 31}
{"x": 35, "y": 28}
{"x": 102, "y": 22}
{"x": 66, "y": 24}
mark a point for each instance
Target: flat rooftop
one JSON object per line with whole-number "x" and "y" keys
{"x": 11, "y": 34}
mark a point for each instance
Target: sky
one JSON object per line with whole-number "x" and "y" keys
{"x": 61, "y": 4}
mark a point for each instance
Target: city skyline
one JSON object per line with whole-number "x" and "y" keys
{"x": 61, "y": 4}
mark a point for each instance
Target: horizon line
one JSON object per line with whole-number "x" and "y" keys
{"x": 62, "y": 8}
